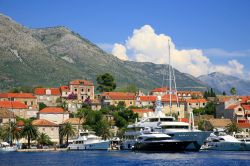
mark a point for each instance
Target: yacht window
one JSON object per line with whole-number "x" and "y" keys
{"x": 166, "y": 119}
{"x": 154, "y": 120}
{"x": 174, "y": 127}
{"x": 157, "y": 139}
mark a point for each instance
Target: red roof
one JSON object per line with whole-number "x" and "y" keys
{"x": 142, "y": 110}
{"x": 42, "y": 91}
{"x": 196, "y": 100}
{"x": 43, "y": 122}
{"x": 244, "y": 99}
{"x": 64, "y": 88}
{"x": 17, "y": 95}
{"x": 81, "y": 82}
{"x": 52, "y": 110}
{"x": 161, "y": 89}
{"x": 231, "y": 107}
{"x": 246, "y": 107}
{"x": 12, "y": 105}
{"x": 148, "y": 98}
{"x": 183, "y": 120}
{"x": 244, "y": 125}
{"x": 119, "y": 95}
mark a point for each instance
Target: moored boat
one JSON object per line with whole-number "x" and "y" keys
{"x": 89, "y": 141}
{"x": 5, "y": 147}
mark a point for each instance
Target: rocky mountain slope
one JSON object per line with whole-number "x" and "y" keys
{"x": 53, "y": 56}
{"x": 225, "y": 82}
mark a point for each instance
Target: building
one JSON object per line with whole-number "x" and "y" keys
{"x": 145, "y": 101}
{"x": 65, "y": 91}
{"x": 27, "y": 98}
{"x": 113, "y": 98}
{"x": 245, "y": 127}
{"x": 49, "y": 128}
{"x": 75, "y": 122}
{"x": 190, "y": 94}
{"x": 219, "y": 124}
{"x": 95, "y": 104}
{"x": 48, "y": 96}
{"x": 143, "y": 112}
{"x": 159, "y": 91}
{"x": 6, "y": 116}
{"x": 83, "y": 89}
{"x": 54, "y": 114}
{"x": 195, "y": 104}
{"x": 18, "y": 108}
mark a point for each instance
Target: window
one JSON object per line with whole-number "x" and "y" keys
{"x": 52, "y": 129}
{"x": 32, "y": 103}
{"x": 239, "y": 109}
{"x": 203, "y": 103}
{"x": 25, "y": 102}
{"x": 43, "y": 129}
{"x": 197, "y": 103}
{"x": 131, "y": 103}
{"x": 75, "y": 90}
{"x": 88, "y": 90}
{"x": 82, "y": 90}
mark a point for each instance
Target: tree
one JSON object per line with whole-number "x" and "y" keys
{"x": 233, "y": 91}
{"x": 224, "y": 93}
{"x": 29, "y": 131}
{"x": 43, "y": 139}
{"x": 102, "y": 129}
{"x": 210, "y": 108}
{"x": 232, "y": 127}
{"x": 106, "y": 83}
{"x": 66, "y": 129}
{"x": 80, "y": 114}
{"x": 42, "y": 106}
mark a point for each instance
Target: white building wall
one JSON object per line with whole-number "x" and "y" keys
{"x": 56, "y": 118}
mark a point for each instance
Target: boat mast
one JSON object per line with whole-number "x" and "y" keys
{"x": 170, "y": 79}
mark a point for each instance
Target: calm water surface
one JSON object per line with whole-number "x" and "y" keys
{"x": 104, "y": 158}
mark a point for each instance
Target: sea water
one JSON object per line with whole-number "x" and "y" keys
{"x": 106, "y": 158}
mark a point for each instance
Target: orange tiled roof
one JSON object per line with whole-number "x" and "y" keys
{"x": 161, "y": 89}
{"x": 244, "y": 99}
{"x": 52, "y": 110}
{"x": 42, "y": 91}
{"x": 196, "y": 100}
{"x": 142, "y": 110}
{"x": 43, "y": 122}
{"x": 12, "y": 104}
{"x": 64, "y": 88}
{"x": 17, "y": 95}
{"x": 81, "y": 82}
{"x": 246, "y": 107}
{"x": 148, "y": 98}
{"x": 231, "y": 107}
{"x": 244, "y": 125}
{"x": 119, "y": 95}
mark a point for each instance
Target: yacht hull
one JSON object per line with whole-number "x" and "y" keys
{"x": 227, "y": 146}
{"x": 161, "y": 146}
{"x": 90, "y": 146}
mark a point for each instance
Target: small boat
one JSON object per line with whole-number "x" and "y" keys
{"x": 224, "y": 142}
{"x": 160, "y": 142}
{"x": 89, "y": 141}
{"x": 5, "y": 147}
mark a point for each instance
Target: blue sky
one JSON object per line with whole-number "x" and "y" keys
{"x": 220, "y": 28}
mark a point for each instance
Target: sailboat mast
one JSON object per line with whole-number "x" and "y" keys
{"x": 170, "y": 79}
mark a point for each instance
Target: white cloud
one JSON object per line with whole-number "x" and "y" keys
{"x": 119, "y": 51}
{"x": 146, "y": 46}
{"x": 225, "y": 53}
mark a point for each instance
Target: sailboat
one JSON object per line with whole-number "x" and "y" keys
{"x": 159, "y": 122}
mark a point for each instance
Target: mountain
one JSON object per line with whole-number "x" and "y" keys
{"x": 225, "y": 82}
{"x": 54, "y": 56}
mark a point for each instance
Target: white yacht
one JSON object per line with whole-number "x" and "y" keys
{"x": 159, "y": 122}
{"x": 5, "y": 147}
{"x": 224, "y": 142}
{"x": 89, "y": 141}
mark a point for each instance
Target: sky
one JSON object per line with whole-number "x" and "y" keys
{"x": 204, "y": 36}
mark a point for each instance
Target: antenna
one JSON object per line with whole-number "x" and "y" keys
{"x": 170, "y": 79}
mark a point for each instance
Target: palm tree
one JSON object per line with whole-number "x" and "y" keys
{"x": 232, "y": 127}
{"x": 102, "y": 129}
{"x": 43, "y": 139}
{"x": 11, "y": 132}
{"x": 80, "y": 114}
{"x": 29, "y": 131}
{"x": 67, "y": 130}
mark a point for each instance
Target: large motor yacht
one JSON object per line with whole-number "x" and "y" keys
{"x": 159, "y": 122}
{"x": 88, "y": 141}
{"x": 158, "y": 142}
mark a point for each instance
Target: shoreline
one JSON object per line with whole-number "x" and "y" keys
{"x": 43, "y": 150}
